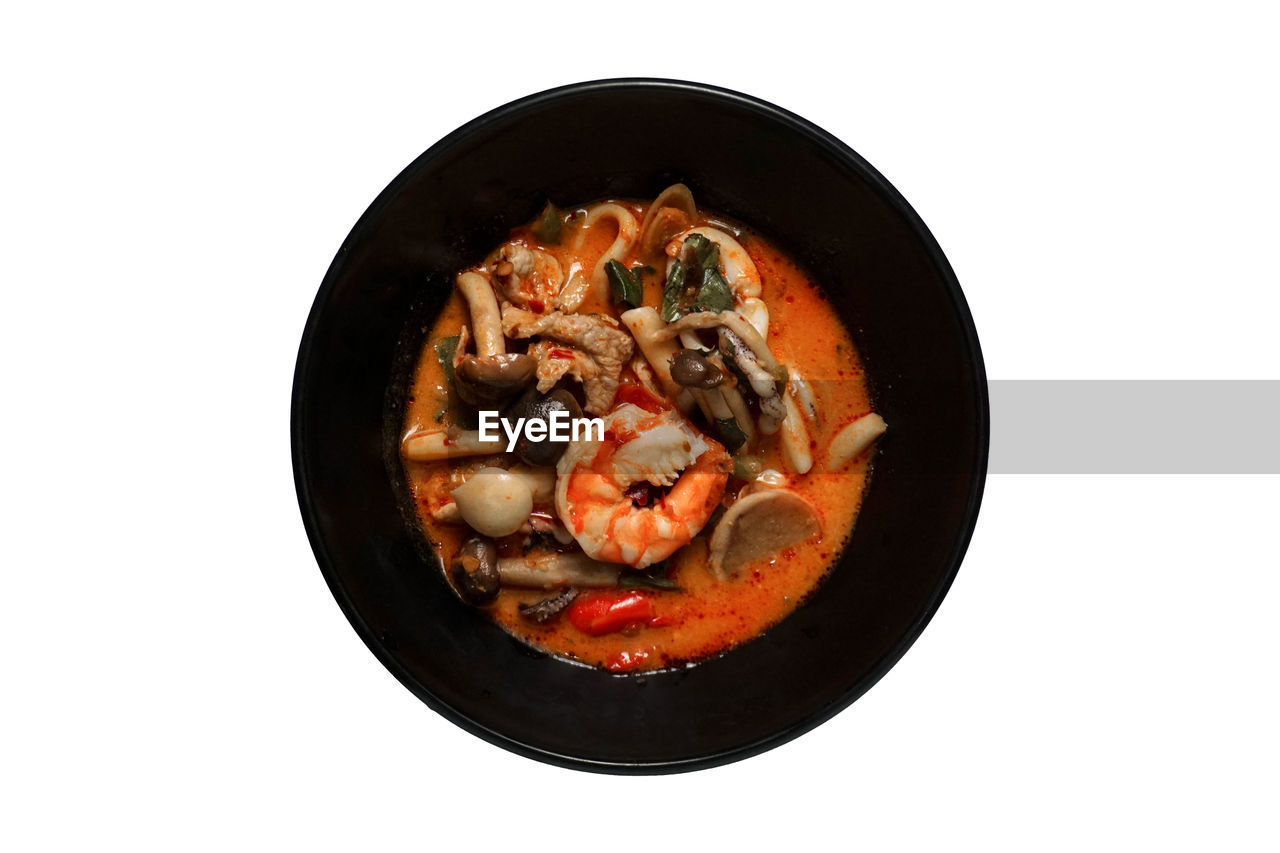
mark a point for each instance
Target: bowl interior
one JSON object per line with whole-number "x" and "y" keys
{"x": 877, "y": 264}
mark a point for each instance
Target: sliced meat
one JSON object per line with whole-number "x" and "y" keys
{"x": 557, "y": 360}
{"x": 593, "y": 336}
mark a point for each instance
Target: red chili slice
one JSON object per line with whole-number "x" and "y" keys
{"x": 605, "y": 613}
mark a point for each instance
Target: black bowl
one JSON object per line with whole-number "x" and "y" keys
{"x": 820, "y": 201}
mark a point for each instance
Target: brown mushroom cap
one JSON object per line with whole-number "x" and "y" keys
{"x": 759, "y": 526}
{"x": 493, "y": 378}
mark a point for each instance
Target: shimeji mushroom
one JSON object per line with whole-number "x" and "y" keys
{"x": 553, "y": 569}
{"x": 492, "y": 374}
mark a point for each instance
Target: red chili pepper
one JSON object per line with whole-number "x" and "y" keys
{"x": 605, "y": 613}
{"x": 625, "y": 661}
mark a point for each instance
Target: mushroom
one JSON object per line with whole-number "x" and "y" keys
{"x": 434, "y": 445}
{"x": 593, "y": 335}
{"x": 494, "y": 501}
{"x": 552, "y": 569}
{"x": 475, "y": 570}
{"x": 542, "y": 407}
{"x": 758, "y": 527}
{"x": 691, "y": 369}
{"x": 492, "y": 374}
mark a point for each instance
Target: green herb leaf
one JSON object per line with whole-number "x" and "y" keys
{"x": 625, "y": 285}
{"x": 730, "y": 433}
{"x": 780, "y": 377}
{"x": 747, "y": 467}
{"x": 715, "y": 295}
{"x": 548, "y": 225}
{"x": 654, "y": 577}
{"x": 632, "y": 581}
{"x": 445, "y": 349}
{"x": 671, "y": 292}
{"x": 701, "y": 253}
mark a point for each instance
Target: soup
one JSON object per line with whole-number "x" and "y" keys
{"x": 637, "y": 435}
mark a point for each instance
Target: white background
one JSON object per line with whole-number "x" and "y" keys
{"x": 175, "y": 182}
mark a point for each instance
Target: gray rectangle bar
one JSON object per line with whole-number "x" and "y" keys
{"x": 1135, "y": 426}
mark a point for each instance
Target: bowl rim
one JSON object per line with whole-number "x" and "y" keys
{"x": 834, "y": 148}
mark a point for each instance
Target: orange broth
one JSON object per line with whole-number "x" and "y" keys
{"x": 706, "y": 616}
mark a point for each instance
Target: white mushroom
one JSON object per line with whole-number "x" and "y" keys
{"x": 485, "y": 318}
{"x": 494, "y": 501}
{"x": 759, "y": 526}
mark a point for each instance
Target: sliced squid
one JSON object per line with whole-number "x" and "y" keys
{"x": 757, "y": 314}
{"x": 575, "y": 292}
{"x": 853, "y": 439}
{"x": 795, "y": 438}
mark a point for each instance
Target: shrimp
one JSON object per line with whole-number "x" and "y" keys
{"x": 640, "y": 446}
{"x": 527, "y": 277}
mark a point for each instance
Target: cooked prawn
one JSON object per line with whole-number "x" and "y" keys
{"x": 640, "y": 446}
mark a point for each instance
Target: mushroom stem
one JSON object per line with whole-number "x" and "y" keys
{"x": 485, "y": 318}
{"x": 646, "y": 327}
{"x": 547, "y": 571}
{"x": 738, "y": 404}
{"x": 437, "y": 445}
